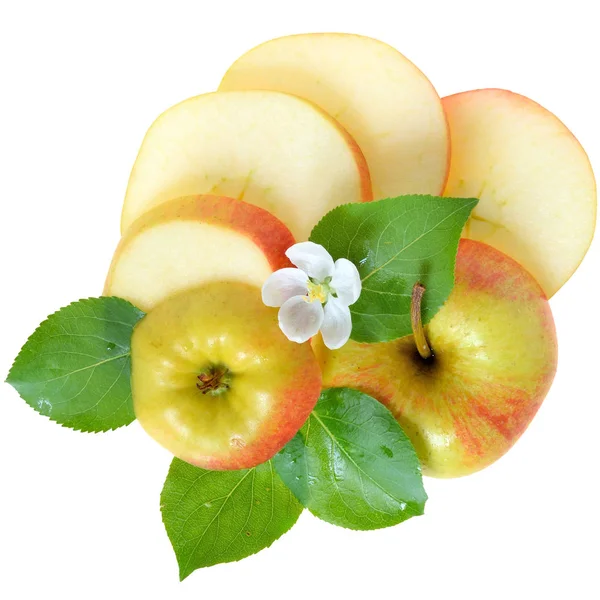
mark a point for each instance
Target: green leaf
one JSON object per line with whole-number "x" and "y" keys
{"x": 352, "y": 465}
{"x": 75, "y": 367}
{"x": 394, "y": 243}
{"x": 214, "y": 517}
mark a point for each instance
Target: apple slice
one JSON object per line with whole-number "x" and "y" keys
{"x": 273, "y": 150}
{"x": 534, "y": 180}
{"x": 381, "y": 98}
{"x": 193, "y": 240}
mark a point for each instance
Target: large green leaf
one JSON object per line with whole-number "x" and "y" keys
{"x": 395, "y": 243}
{"x": 75, "y": 367}
{"x": 352, "y": 465}
{"x": 222, "y": 516}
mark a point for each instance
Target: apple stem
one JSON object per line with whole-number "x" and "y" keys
{"x": 417, "y": 323}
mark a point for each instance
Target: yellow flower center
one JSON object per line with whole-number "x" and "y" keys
{"x": 317, "y": 291}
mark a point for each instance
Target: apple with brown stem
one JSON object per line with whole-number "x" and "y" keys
{"x": 465, "y": 387}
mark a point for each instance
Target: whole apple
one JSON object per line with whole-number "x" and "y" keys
{"x": 493, "y": 358}
{"x": 215, "y": 381}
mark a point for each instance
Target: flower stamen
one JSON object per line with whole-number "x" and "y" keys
{"x": 317, "y": 291}
{"x": 315, "y": 296}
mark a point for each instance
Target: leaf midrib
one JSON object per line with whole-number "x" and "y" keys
{"x": 335, "y": 441}
{"x": 193, "y": 552}
{"x": 92, "y": 366}
{"x": 393, "y": 258}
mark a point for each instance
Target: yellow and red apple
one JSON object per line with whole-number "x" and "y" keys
{"x": 192, "y": 240}
{"x": 494, "y": 358}
{"x": 215, "y": 381}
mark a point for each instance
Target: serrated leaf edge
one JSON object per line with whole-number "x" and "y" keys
{"x": 88, "y": 300}
{"x": 435, "y": 310}
{"x": 183, "y": 574}
{"x": 420, "y": 510}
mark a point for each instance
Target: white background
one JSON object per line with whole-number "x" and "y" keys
{"x": 79, "y": 514}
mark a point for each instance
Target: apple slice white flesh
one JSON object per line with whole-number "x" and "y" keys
{"x": 534, "y": 180}
{"x": 270, "y": 149}
{"x": 193, "y": 240}
{"x": 387, "y": 105}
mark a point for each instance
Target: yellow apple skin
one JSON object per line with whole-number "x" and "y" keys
{"x": 495, "y": 355}
{"x": 269, "y": 384}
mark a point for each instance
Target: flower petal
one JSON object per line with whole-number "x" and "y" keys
{"x": 283, "y": 285}
{"x": 312, "y": 259}
{"x": 346, "y": 281}
{"x": 299, "y": 319}
{"x": 337, "y": 324}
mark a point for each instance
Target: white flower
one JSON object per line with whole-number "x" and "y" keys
{"x": 315, "y": 296}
